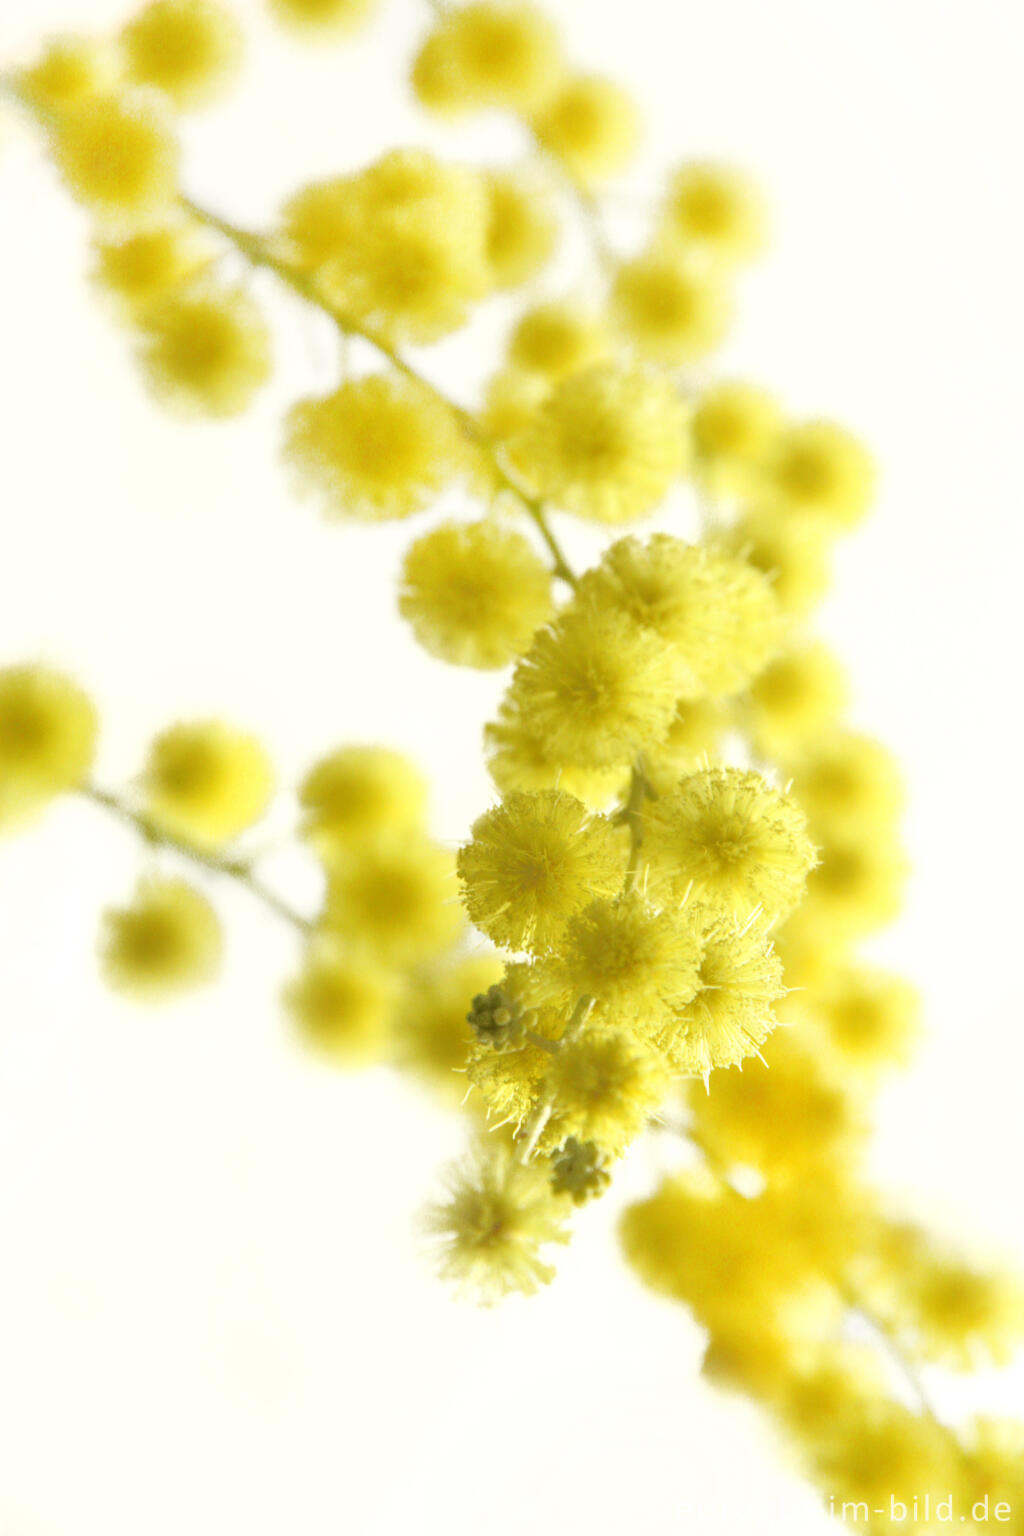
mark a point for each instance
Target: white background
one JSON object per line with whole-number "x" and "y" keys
{"x": 213, "y": 1313}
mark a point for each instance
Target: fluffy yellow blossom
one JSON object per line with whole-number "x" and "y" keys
{"x": 165, "y": 942}
{"x": 731, "y": 1010}
{"x": 740, "y": 844}
{"x": 394, "y": 894}
{"x": 521, "y": 228}
{"x": 518, "y": 757}
{"x": 717, "y": 209}
{"x": 591, "y": 125}
{"x": 47, "y": 738}
{"x": 475, "y": 593}
{"x": 792, "y": 553}
{"x": 734, "y": 426}
{"x": 714, "y": 614}
{"x": 511, "y": 402}
{"x": 67, "y": 73}
{"x": 557, "y": 338}
{"x": 186, "y": 48}
{"x": 378, "y": 447}
{"x": 118, "y": 156}
{"x": 734, "y": 1261}
{"x": 848, "y": 783}
{"x": 870, "y": 1019}
{"x": 828, "y": 1383}
{"x": 606, "y": 444}
{"x": 672, "y": 310}
{"x": 819, "y": 470}
{"x": 509, "y": 1081}
{"x": 785, "y": 1114}
{"x": 431, "y": 1037}
{"x": 147, "y": 266}
{"x": 322, "y": 18}
{"x": 534, "y": 861}
{"x": 798, "y": 696}
{"x": 205, "y": 782}
{"x": 856, "y": 888}
{"x": 357, "y": 792}
{"x": 636, "y": 962}
{"x": 878, "y": 1452}
{"x": 206, "y": 350}
{"x": 409, "y": 244}
{"x": 595, "y": 688}
{"x": 497, "y": 53}
{"x": 499, "y": 1216}
{"x": 994, "y": 1461}
{"x": 340, "y": 1004}
{"x": 603, "y": 1088}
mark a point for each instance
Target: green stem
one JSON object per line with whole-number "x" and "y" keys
{"x": 238, "y": 870}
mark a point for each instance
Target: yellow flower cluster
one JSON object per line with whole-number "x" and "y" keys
{"x": 691, "y": 838}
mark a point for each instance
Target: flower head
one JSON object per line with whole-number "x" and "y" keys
{"x": 393, "y": 895}
{"x": 206, "y": 349}
{"x": 499, "y": 1216}
{"x": 557, "y": 338}
{"x": 355, "y": 793}
{"x": 147, "y": 266}
{"x": 799, "y": 695}
{"x": 205, "y": 782}
{"x": 492, "y": 53}
{"x": 47, "y": 738}
{"x": 341, "y": 1004}
{"x": 166, "y": 941}
{"x": 606, "y": 444}
{"x": 734, "y": 427}
{"x": 67, "y": 73}
{"x": 534, "y": 861}
{"x": 821, "y": 471}
{"x": 475, "y": 593}
{"x": 717, "y": 209}
{"x": 671, "y": 310}
{"x": 430, "y": 1035}
{"x": 521, "y": 228}
{"x": 118, "y": 156}
{"x": 591, "y": 125}
{"x": 322, "y": 18}
{"x": 740, "y": 844}
{"x": 185, "y": 48}
{"x": 603, "y": 1088}
{"x": 377, "y": 447}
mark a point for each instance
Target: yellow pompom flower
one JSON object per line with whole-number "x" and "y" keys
{"x": 518, "y": 757}
{"x": 557, "y": 338}
{"x": 410, "y": 246}
{"x": 430, "y": 1035}
{"x": 734, "y": 427}
{"x": 636, "y": 962}
{"x": 511, "y": 402}
{"x": 475, "y": 593}
{"x": 819, "y": 470}
{"x": 166, "y": 941}
{"x": 717, "y": 209}
{"x": 714, "y": 614}
{"x": 497, "y": 53}
{"x": 532, "y": 863}
{"x": 147, "y": 266}
{"x": 521, "y": 228}
{"x": 357, "y": 792}
{"x": 791, "y": 552}
{"x": 603, "y": 1088}
{"x": 205, "y": 782}
{"x": 606, "y": 444}
{"x": 783, "y": 1114}
{"x": 206, "y": 350}
{"x": 378, "y": 447}
{"x": 878, "y": 1452}
{"x": 869, "y": 1018}
{"x": 830, "y": 1382}
{"x": 186, "y": 48}
{"x": 595, "y": 688}
{"x": 592, "y": 125}
{"x": 499, "y": 1216}
{"x": 341, "y": 1003}
{"x": 797, "y": 697}
{"x": 395, "y": 895}
{"x": 48, "y": 732}
{"x": 67, "y": 73}
{"x": 118, "y": 156}
{"x": 848, "y": 783}
{"x": 740, "y": 844}
{"x": 855, "y": 889}
{"x": 730, "y": 1013}
{"x": 322, "y": 18}
{"x": 670, "y": 309}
